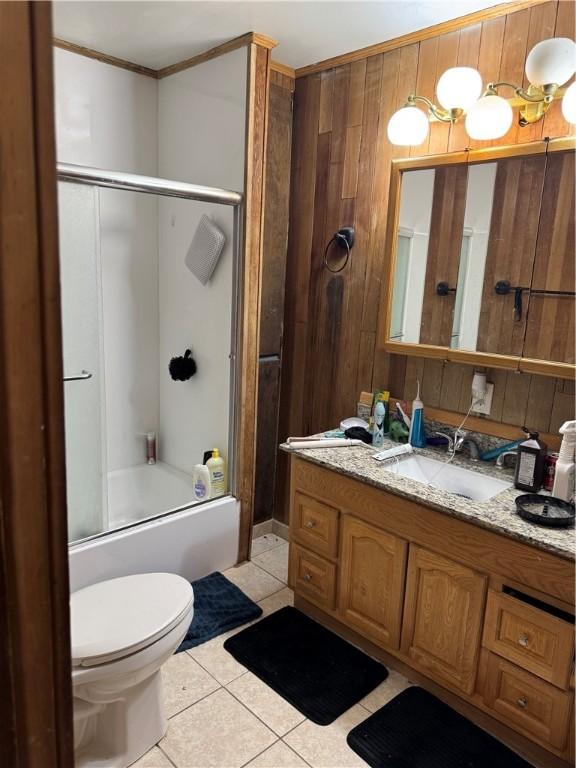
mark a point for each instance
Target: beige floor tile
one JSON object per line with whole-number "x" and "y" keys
{"x": 276, "y": 601}
{"x": 253, "y": 581}
{"x": 153, "y": 759}
{"x": 275, "y": 561}
{"x": 217, "y": 732}
{"x": 216, "y": 660}
{"x": 185, "y": 682}
{"x": 264, "y": 543}
{"x": 394, "y": 684}
{"x": 325, "y": 746}
{"x": 271, "y": 708}
{"x": 279, "y": 755}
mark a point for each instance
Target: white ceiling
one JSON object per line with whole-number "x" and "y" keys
{"x": 155, "y": 33}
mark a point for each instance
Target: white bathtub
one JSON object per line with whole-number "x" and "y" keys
{"x": 140, "y": 492}
{"x": 192, "y": 542}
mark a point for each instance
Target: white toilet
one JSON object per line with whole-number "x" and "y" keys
{"x": 123, "y": 630}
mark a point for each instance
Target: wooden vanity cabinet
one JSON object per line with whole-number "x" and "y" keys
{"x": 481, "y": 618}
{"x": 443, "y": 616}
{"x": 372, "y": 573}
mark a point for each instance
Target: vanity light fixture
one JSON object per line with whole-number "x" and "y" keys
{"x": 488, "y": 115}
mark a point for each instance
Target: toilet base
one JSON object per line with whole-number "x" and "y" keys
{"x": 117, "y": 733}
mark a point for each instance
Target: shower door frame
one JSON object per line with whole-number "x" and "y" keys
{"x": 152, "y": 185}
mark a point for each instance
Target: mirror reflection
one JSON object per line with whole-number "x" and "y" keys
{"x": 481, "y": 262}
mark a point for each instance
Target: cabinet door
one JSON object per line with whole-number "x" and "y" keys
{"x": 443, "y": 617}
{"x": 372, "y": 575}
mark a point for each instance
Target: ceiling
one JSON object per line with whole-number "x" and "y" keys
{"x": 156, "y": 33}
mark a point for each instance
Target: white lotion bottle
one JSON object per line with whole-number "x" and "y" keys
{"x": 201, "y": 480}
{"x": 565, "y": 466}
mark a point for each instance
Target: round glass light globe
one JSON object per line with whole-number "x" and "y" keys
{"x": 569, "y": 104}
{"x": 551, "y": 61}
{"x": 408, "y": 127}
{"x": 489, "y": 118}
{"x": 459, "y": 87}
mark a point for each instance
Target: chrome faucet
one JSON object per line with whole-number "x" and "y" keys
{"x": 501, "y": 459}
{"x": 459, "y": 441}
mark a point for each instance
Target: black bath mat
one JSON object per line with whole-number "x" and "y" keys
{"x": 312, "y": 668}
{"x": 218, "y": 607}
{"x": 416, "y": 730}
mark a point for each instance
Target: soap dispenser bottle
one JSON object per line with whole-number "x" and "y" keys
{"x": 566, "y": 464}
{"x": 530, "y": 463}
{"x": 417, "y": 436}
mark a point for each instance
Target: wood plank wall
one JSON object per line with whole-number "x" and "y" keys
{"x": 340, "y": 175}
{"x": 278, "y": 151}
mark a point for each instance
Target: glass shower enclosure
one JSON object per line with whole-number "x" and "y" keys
{"x": 129, "y": 305}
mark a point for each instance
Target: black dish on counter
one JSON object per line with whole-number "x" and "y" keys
{"x": 545, "y": 510}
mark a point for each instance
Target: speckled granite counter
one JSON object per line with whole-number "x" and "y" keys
{"x": 497, "y": 514}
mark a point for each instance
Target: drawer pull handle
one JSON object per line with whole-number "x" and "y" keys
{"x": 307, "y": 577}
{"x": 522, "y": 702}
{"x": 310, "y": 524}
{"x": 524, "y": 640}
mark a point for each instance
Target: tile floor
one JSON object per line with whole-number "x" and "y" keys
{"x": 223, "y": 716}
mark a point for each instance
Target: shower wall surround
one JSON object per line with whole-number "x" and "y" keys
{"x": 201, "y": 127}
{"x": 106, "y": 117}
{"x": 187, "y": 127}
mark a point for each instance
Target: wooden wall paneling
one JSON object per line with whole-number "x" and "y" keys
{"x": 498, "y": 44}
{"x": 276, "y": 209}
{"x": 554, "y": 123}
{"x": 250, "y": 289}
{"x": 444, "y": 246}
{"x": 468, "y": 54}
{"x": 426, "y": 83}
{"x": 512, "y": 64}
{"x": 516, "y": 399}
{"x": 489, "y": 58}
{"x": 511, "y": 248}
{"x": 35, "y": 672}
{"x": 550, "y": 320}
{"x": 278, "y": 151}
{"x": 267, "y": 442}
{"x": 541, "y": 27}
{"x": 447, "y": 56}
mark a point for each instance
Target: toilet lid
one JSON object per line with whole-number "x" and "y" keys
{"x": 115, "y": 618}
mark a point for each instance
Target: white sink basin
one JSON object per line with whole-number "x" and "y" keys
{"x": 448, "y": 477}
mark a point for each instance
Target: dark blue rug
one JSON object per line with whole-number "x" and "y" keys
{"x": 218, "y": 607}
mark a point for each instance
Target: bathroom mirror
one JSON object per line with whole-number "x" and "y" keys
{"x": 480, "y": 248}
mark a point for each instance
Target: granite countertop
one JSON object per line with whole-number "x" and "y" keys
{"x": 497, "y": 514}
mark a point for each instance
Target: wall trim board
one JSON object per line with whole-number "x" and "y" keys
{"x": 282, "y": 69}
{"x": 35, "y": 669}
{"x": 250, "y": 38}
{"x": 105, "y": 58}
{"x": 258, "y": 81}
{"x": 219, "y": 50}
{"x": 418, "y": 36}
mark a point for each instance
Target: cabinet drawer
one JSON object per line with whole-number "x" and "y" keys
{"x": 315, "y": 525}
{"x": 524, "y": 702}
{"x": 530, "y": 637}
{"x": 312, "y": 577}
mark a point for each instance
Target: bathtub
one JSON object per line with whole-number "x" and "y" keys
{"x": 192, "y": 542}
{"x": 140, "y": 492}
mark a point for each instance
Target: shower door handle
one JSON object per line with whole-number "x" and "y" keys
{"x": 79, "y": 376}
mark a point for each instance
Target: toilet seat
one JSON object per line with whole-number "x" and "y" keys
{"x": 116, "y": 618}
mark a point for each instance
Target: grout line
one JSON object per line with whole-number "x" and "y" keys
{"x": 257, "y": 716}
{"x": 295, "y": 750}
{"x": 196, "y": 702}
{"x": 165, "y": 755}
{"x": 260, "y": 753}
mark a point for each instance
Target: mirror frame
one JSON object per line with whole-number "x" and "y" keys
{"x": 487, "y": 154}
